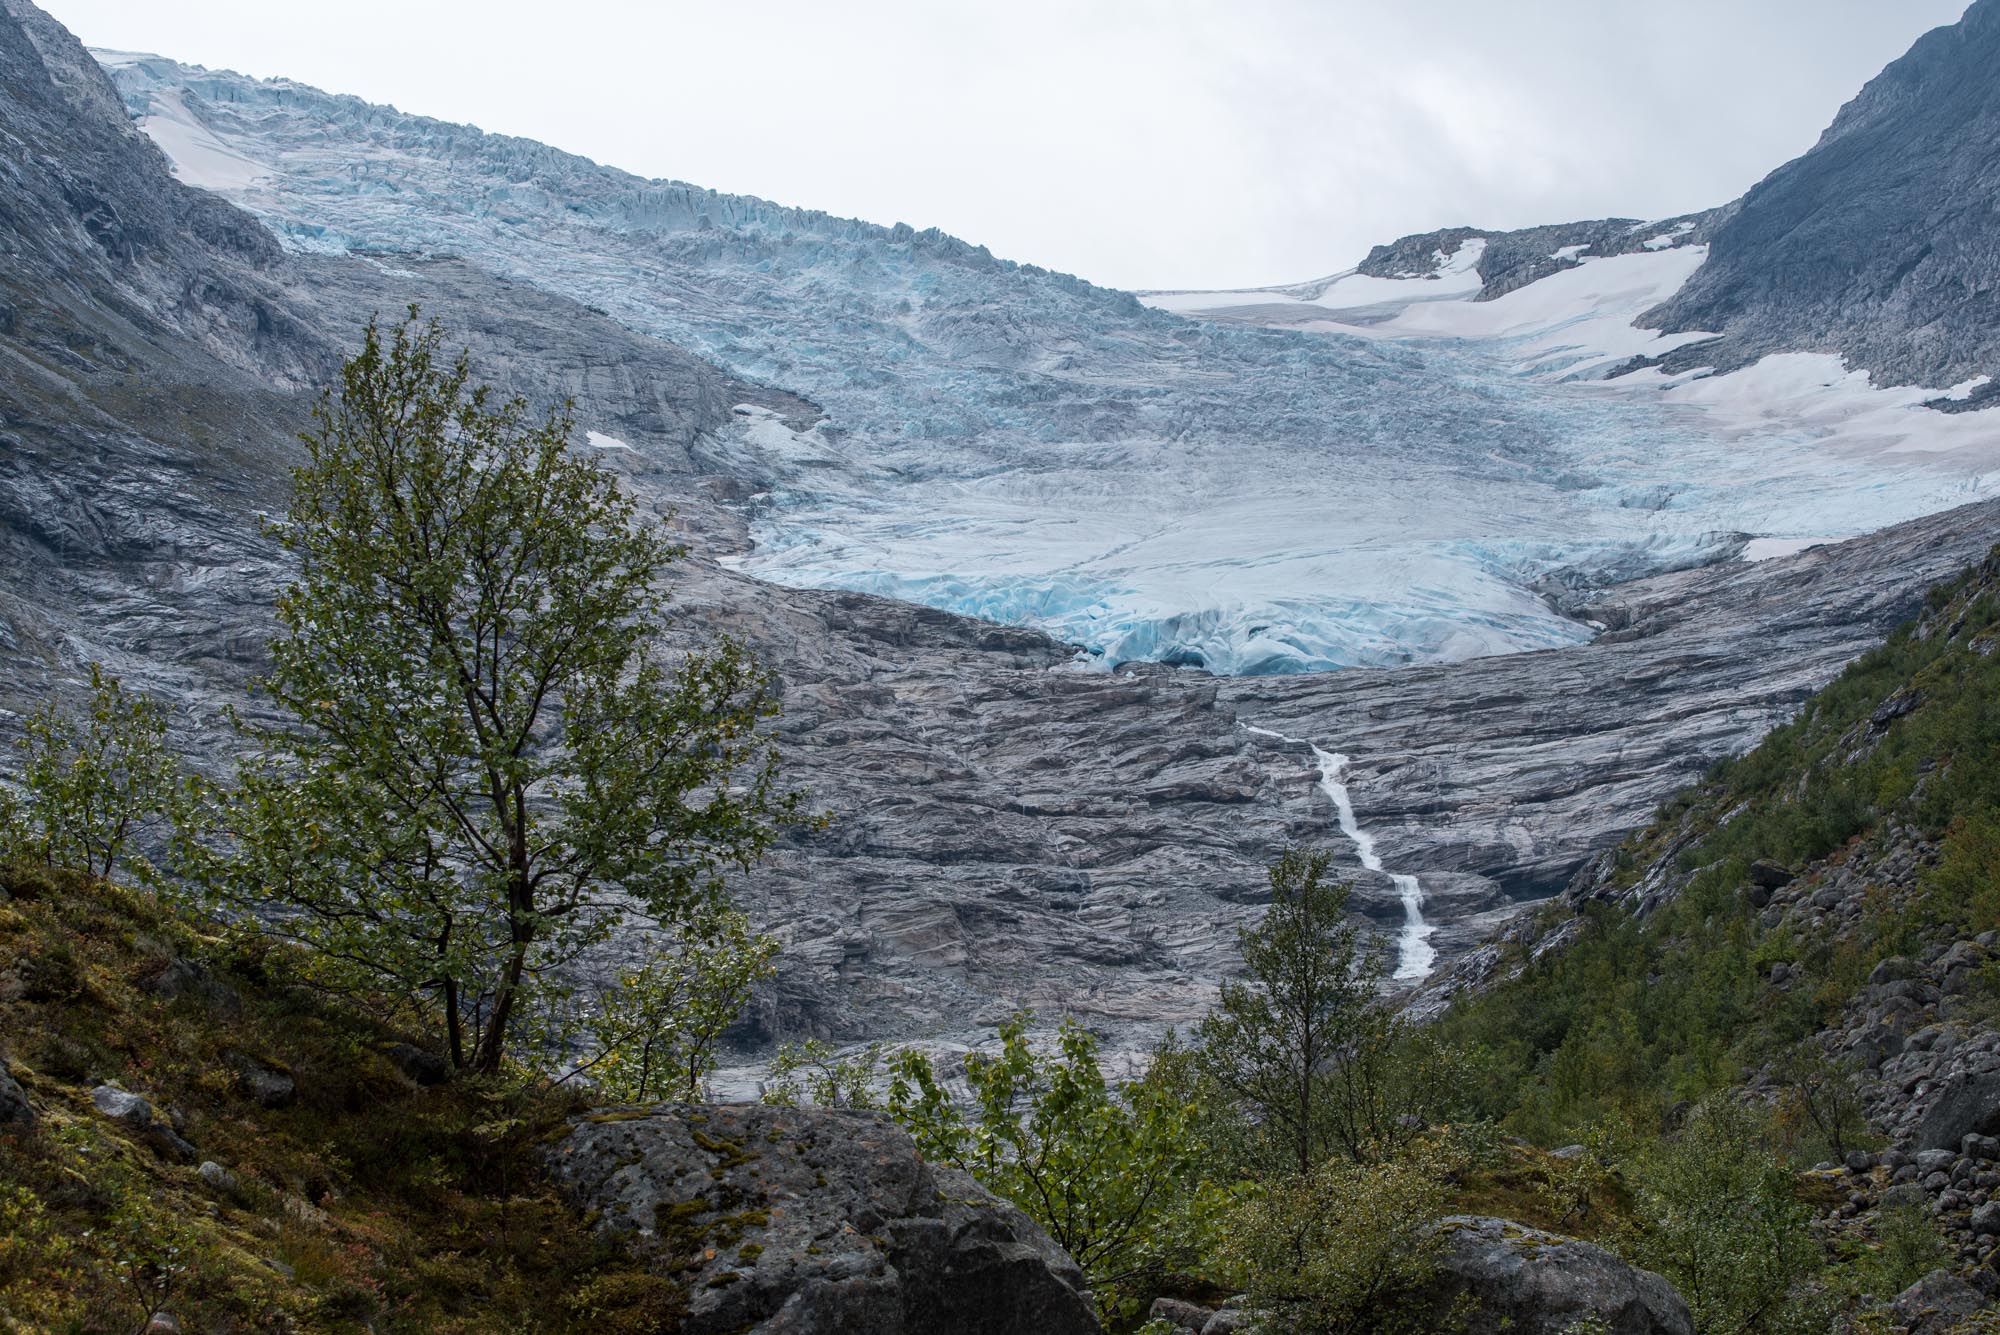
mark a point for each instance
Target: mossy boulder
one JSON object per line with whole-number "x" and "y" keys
{"x": 1527, "y": 1281}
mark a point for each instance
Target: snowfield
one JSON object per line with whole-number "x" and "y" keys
{"x": 1386, "y": 472}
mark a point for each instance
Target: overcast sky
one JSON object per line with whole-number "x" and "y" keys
{"x": 1141, "y": 143}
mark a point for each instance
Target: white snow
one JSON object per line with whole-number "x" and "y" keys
{"x": 1581, "y": 316}
{"x": 1844, "y": 412}
{"x": 1569, "y": 252}
{"x": 119, "y": 60}
{"x": 1414, "y": 952}
{"x": 1457, "y": 275}
{"x": 1668, "y": 238}
{"x": 604, "y": 442}
{"x": 198, "y": 157}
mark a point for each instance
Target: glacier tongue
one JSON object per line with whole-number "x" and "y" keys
{"x": 1384, "y": 488}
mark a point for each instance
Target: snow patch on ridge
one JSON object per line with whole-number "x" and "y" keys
{"x": 198, "y": 157}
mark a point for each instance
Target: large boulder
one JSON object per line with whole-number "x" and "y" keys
{"x": 16, "y": 1112}
{"x": 1525, "y": 1281}
{"x": 793, "y": 1221}
{"x": 137, "y": 1114}
{"x": 1967, "y": 1104}
{"x": 1936, "y": 1303}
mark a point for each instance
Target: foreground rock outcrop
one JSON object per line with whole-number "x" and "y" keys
{"x": 1525, "y": 1281}
{"x": 807, "y": 1220}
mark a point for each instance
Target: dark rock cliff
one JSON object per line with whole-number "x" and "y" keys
{"x": 1882, "y": 243}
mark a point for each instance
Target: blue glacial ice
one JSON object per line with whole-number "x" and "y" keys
{"x": 1017, "y": 444}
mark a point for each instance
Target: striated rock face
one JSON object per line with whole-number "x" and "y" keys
{"x": 805, "y": 1221}
{"x": 1524, "y": 1281}
{"x": 1881, "y": 243}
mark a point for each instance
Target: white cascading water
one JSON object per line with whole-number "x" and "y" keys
{"x": 1414, "y": 954}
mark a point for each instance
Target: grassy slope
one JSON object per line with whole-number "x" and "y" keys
{"x": 1636, "y": 1014}
{"x": 367, "y": 1204}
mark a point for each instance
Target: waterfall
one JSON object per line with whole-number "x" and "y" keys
{"x": 1414, "y": 953}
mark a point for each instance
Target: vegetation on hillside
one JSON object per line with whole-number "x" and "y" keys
{"x": 346, "y": 1196}
{"x": 1637, "y": 1015}
{"x": 481, "y": 773}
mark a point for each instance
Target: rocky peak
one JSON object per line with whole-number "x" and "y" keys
{"x": 1881, "y": 243}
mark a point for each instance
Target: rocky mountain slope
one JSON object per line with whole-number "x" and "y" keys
{"x": 1816, "y": 923}
{"x": 1880, "y": 244}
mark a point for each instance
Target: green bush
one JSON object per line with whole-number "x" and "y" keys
{"x": 1722, "y": 1221}
{"x": 1114, "y": 1175}
{"x": 1347, "y": 1249}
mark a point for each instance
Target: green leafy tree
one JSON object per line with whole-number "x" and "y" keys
{"x": 1113, "y": 1175}
{"x": 1823, "y": 1099}
{"x": 490, "y": 767}
{"x": 1721, "y": 1219}
{"x": 1301, "y": 1046}
{"x": 657, "y": 1031}
{"x": 94, "y": 781}
{"x": 812, "y": 1072}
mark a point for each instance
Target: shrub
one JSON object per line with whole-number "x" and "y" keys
{"x": 1347, "y": 1248}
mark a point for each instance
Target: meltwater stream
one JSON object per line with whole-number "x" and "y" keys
{"x": 1414, "y": 953}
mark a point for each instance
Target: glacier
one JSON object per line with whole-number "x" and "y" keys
{"x": 1384, "y": 471}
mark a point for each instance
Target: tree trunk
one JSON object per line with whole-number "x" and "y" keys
{"x": 454, "y": 1026}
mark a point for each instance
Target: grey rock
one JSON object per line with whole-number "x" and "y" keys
{"x": 135, "y": 1112}
{"x": 1985, "y": 1148}
{"x": 1936, "y": 1302}
{"x": 1932, "y": 1161}
{"x": 1771, "y": 875}
{"x": 1529, "y": 1282}
{"x": 185, "y": 978}
{"x": 1902, "y": 1195}
{"x": 1892, "y": 969}
{"x": 807, "y": 1220}
{"x": 1986, "y": 1219}
{"x": 1184, "y": 1315}
{"x": 216, "y": 1175}
{"x": 1876, "y": 244}
{"x": 1962, "y": 1106}
{"x": 1229, "y": 1321}
{"x": 17, "y": 1113}
{"x": 423, "y": 1068}
{"x": 1859, "y": 1161}
{"x": 269, "y": 1086}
